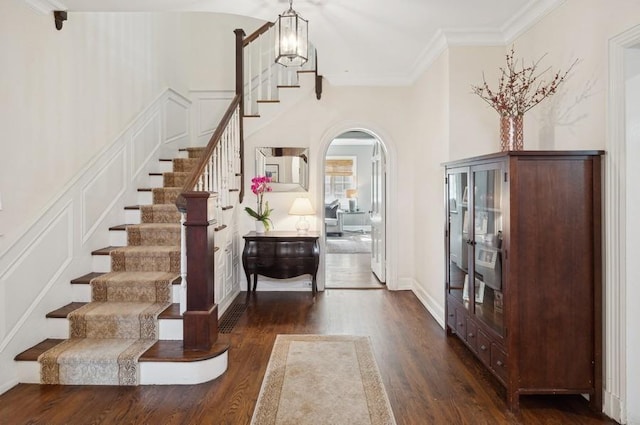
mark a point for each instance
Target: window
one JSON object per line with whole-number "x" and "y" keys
{"x": 339, "y": 176}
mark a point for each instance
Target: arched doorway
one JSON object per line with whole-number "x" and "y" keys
{"x": 354, "y": 194}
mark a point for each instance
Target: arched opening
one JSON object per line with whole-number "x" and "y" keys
{"x": 355, "y": 211}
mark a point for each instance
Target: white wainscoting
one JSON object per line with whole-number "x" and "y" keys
{"x": 208, "y": 109}
{"x": 56, "y": 247}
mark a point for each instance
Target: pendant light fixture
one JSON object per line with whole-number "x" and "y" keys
{"x": 291, "y": 38}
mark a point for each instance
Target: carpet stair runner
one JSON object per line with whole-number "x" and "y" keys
{"x": 109, "y": 334}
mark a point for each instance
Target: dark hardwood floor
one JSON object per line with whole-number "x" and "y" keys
{"x": 430, "y": 378}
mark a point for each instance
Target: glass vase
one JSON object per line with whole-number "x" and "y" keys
{"x": 511, "y": 134}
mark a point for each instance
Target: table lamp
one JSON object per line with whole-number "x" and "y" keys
{"x": 352, "y": 194}
{"x": 302, "y": 207}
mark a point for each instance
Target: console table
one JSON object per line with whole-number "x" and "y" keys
{"x": 281, "y": 255}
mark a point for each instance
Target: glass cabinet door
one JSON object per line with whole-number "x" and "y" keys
{"x": 458, "y": 235}
{"x": 487, "y": 244}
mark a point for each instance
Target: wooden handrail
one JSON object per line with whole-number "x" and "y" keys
{"x": 208, "y": 151}
{"x": 257, "y": 33}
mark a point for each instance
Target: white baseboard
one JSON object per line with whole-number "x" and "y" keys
{"x": 434, "y": 308}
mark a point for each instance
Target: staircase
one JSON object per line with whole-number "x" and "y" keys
{"x": 130, "y": 330}
{"x": 146, "y": 314}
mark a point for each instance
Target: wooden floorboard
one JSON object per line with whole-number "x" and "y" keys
{"x": 430, "y": 378}
{"x": 350, "y": 271}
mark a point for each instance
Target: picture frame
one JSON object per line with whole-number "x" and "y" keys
{"x": 481, "y": 223}
{"x": 486, "y": 257}
{"x": 479, "y": 290}
{"x": 273, "y": 171}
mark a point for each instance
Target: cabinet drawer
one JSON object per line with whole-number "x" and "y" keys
{"x": 472, "y": 335}
{"x": 499, "y": 362}
{"x": 461, "y": 323}
{"x": 484, "y": 348}
{"x": 451, "y": 315}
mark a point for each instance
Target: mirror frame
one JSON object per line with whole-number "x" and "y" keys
{"x": 282, "y": 154}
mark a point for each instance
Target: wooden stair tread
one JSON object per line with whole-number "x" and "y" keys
{"x": 217, "y": 229}
{"x": 228, "y": 207}
{"x": 268, "y": 101}
{"x": 289, "y": 87}
{"x": 31, "y": 354}
{"x": 105, "y": 251}
{"x": 171, "y": 312}
{"x": 155, "y": 174}
{"x": 132, "y": 207}
{"x": 173, "y": 351}
{"x": 119, "y": 227}
{"x": 63, "y": 312}
{"x": 84, "y": 280}
{"x": 161, "y": 351}
{"x": 145, "y": 189}
{"x": 252, "y": 116}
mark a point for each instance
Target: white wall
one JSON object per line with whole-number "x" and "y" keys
{"x": 574, "y": 118}
{"x": 314, "y": 124}
{"x": 430, "y": 134}
{"x": 67, "y": 94}
{"x": 210, "y": 48}
{"x": 633, "y": 230}
{"x": 474, "y": 125}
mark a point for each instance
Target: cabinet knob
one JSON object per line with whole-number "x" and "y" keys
{"x": 483, "y": 347}
{"x": 461, "y": 324}
{"x": 499, "y": 363}
{"x": 470, "y": 334}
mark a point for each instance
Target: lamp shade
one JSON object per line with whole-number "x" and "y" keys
{"x": 301, "y": 206}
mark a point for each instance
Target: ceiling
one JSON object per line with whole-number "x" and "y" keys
{"x": 369, "y": 42}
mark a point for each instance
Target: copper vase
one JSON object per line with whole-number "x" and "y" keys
{"x": 511, "y": 135}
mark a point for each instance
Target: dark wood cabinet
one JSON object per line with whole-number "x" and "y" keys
{"x": 523, "y": 265}
{"x": 281, "y": 255}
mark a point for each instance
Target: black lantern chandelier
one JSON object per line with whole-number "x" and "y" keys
{"x": 291, "y": 38}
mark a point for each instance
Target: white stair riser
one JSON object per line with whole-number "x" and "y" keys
{"x": 28, "y": 372}
{"x": 82, "y": 293}
{"x": 117, "y": 237}
{"x": 156, "y": 181}
{"x": 132, "y": 216}
{"x": 165, "y": 166}
{"x": 183, "y": 373}
{"x": 101, "y": 263}
{"x": 170, "y": 329}
{"x": 152, "y": 373}
{"x": 145, "y": 198}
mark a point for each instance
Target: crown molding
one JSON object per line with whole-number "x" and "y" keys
{"x": 46, "y": 6}
{"x": 527, "y": 17}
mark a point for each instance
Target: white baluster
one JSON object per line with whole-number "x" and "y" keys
{"x": 183, "y": 264}
{"x": 259, "y": 48}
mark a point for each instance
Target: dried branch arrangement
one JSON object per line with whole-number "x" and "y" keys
{"x": 520, "y": 88}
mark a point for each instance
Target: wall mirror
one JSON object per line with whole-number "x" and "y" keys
{"x": 287, "y": 167}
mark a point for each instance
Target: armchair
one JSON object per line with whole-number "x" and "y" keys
{"x": 332, "y": 219}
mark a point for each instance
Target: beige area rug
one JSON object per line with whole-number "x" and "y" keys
{"x": 109, "y": 334}
{"x": 322, "y": 379}
{"x": 349, "y": 243}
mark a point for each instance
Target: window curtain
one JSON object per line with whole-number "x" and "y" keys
{"x": 338, "y": 167}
